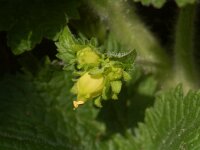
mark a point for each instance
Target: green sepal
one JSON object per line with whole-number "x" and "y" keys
{"x": 65, "y": 56}
{"x": 96, "y": 71}
{"x": 79, "y": 66}
{"x": 114, "y": 96}
{"x": 78, "y": 73}
{"x": 106, "y": 91}
{"x": 116, "y": 86}
{"x": 94, "y": 42}
{"x": 97, "y": 102}
{"x": 126, "y": 76}
{"x": 69, "y": 67}
{"x": 74, "y": 89}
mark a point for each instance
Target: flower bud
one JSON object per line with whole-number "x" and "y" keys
{"x": 88, "y": 86}
{"x": 87, "y": 56}
{"x": 115, "y": 74}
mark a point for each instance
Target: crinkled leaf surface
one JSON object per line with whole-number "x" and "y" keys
{"x": 28, "y": 21}
{"x": 160, "y": 3}
{"x": 68, "y": 46}
{"x": 172, "y": 124}
{"x": 36, "y": 113}
{"x": 119, "y": 52}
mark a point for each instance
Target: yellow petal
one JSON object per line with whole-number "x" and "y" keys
{"x": 89, "y": 86}
{"x": 77, "y": 103}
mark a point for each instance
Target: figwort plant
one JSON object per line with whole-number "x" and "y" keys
{"x": 99, "y": 75}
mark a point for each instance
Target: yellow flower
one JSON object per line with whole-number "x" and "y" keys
{"x": 88, "y": 87}
{"x": 87, "y": 56}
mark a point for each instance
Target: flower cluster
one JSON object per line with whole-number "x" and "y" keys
{"x": 99, "y": 77}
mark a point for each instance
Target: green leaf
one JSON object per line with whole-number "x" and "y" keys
{"x": 28, "y": 21}
{"x": 65, "y": 45}
{"x": 97, "y": 102}
{"x": 160, "y": 3}
{"x": 173, "y": 123}
{"x": 37, "y": 114}
{"x": 148, "y": 86}
{"x": 119, "y": 52}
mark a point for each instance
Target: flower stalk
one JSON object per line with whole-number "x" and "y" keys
{"x": 185, "y": 69}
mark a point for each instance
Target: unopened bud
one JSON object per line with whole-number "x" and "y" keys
{"x": 87, "y": 56}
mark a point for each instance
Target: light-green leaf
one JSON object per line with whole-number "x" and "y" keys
{"x": 119, "y": 52}
{"x": 65, "y": 45}
{"x": 172, "y": 124}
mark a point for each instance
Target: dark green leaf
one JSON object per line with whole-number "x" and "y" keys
{"x": 160, "y": 3}
{"x": 28, "y": 21}
{"x": 36, "y": 113}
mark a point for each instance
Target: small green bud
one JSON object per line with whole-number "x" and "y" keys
{"x": 116, "y": 86}
{"x": 126, "y": 76}
{"x": 87, "y": 56}
{"x": 115, "y": 74}
{"x": 97, "y": 102}
{"x": 114, "y": 96}
{"x": 106, "y": 90}
{"x": 88, "y": 87}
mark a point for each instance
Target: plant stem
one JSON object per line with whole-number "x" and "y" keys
{"x": 185, "y": 70}
{"x": 130, "y": 31}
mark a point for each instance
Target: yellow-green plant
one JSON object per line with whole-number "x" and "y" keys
{"x": 56, "y": 55}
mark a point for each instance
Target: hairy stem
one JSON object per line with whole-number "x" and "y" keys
{"x": 130, "y": 31}
{"x": 185, "y": 71}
